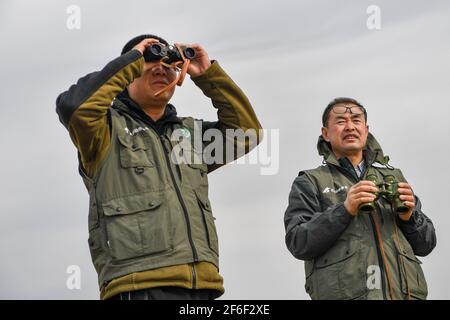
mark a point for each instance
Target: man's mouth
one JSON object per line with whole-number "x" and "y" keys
{"x": 160, "y": 82}
{"x": 350, "y": 137}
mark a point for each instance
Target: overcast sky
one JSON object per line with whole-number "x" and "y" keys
{"x": 290, "y": 58}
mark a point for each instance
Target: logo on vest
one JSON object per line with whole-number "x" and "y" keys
{"x": 377, "y": 165}
{"x": 135, "y": 131}
{"x": 185, "y": 132}
{"x": 328, "y": 190}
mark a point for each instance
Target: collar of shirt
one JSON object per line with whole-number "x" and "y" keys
{"x": 360, "y": 168}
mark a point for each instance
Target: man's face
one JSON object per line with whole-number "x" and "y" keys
{"x": 346, "y": 132}
{"x": 154, "y": 78}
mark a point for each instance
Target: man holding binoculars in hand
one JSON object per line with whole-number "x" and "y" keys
{"x": 152, "y": 234}
{"x": 355, "y": 221}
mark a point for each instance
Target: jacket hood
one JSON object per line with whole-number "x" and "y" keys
{"x": 372, "y": 150}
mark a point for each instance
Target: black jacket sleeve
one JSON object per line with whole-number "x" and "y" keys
{"x": 83, "y": 109}
{"x": 310, "y": 232}
{"x": 419, "y": 231}
{"x": 88, "y": 86}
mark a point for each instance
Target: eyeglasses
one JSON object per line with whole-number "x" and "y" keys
{"x": 352, "y": 109}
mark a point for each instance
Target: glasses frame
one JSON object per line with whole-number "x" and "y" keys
{"x": 348, "y": 109}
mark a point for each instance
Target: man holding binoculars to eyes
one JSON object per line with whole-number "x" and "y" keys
{"x": 355, "y": 221}
{"x": 152, "y": 234}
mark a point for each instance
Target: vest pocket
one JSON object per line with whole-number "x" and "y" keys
{"x": 137, "y": 225}
{"x": 208, "y": 220}
{"x": 340, "y": 273}
{"x": 134, "y": 151}
{"x": 412, "y": 275}
{"x": 309, "y": 284}
{"x": 99, "y": 258}
{"x": 197, "y": 175}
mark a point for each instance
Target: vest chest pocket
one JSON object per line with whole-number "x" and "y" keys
{"x": 134, "y": 150}
{"x": 340, "y": 274}
{"x": 138, "y": 225}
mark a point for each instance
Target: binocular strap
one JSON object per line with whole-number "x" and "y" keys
{"x": 380, "y": 244}
{"x": 179, "y": 80}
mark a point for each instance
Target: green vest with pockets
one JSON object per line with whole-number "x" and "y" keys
{"x": 344, "y": 271}
{"x": 145, "y": 211}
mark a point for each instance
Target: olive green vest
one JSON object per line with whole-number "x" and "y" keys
{"x": 145, "y": 211}
{"x": 346, "y": 270}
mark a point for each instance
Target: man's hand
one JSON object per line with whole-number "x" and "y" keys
{"x": 358, "y": 194}
{"x": 201, "y": 61}
{"x": 407, "y": 196}
{"x": 141, "y": 46}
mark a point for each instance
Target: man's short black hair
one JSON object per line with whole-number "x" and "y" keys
{"x": 133, "y": 42}
{"x": 335, "y": 101}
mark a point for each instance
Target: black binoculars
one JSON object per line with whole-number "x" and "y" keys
{"x": 168, "y": 54}
{"x": 388, "y": 189}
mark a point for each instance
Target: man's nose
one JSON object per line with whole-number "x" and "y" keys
{"x": 159, "y": 70}
{"x": 349, "y": 126}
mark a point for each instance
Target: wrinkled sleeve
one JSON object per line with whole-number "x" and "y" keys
{"x": 236, "y": 117}
{"x": 310, "y": 232}
{"x": 83, "y": 108}
{"x": 419, "y": 231}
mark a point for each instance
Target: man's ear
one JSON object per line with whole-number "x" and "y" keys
{"x": 325, "y": 134}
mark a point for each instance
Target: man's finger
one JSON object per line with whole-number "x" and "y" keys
{"x": 366, "y": 182}
{"x": 365, "y": 195}
{"x": 409, "y": 204}
{"x": 404, "y": 185}
{"x": 406, "y": 198}
{"x": 366, "y": 188}
{"x": 150, "y": 41}
{"x": 405, "y": 191}
{"x": 364, "y": 200}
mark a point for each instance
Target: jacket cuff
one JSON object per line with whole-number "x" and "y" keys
{"x": 342, "y": 214}
{"x": 412, "y": 225}
{"x": 203, "y": 81}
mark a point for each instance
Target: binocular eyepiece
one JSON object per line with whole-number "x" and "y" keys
{"x": 168, "y": 54}
{"x": 388, "y": 189}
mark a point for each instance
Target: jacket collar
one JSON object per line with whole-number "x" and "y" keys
{"x": 124, "y": 103}
{"x": 372, "y": 152}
